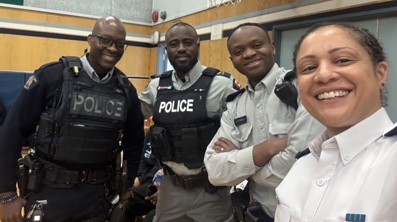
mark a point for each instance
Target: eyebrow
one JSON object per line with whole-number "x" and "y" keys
{"x": 329, "y": 52}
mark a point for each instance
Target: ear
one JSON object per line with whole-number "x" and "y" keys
{"x": 90, "y": 40}
{"x": 382, "y": 71}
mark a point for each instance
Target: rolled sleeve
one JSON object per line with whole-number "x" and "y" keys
{"x": 228, "y": 168}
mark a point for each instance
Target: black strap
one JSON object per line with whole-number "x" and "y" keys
{"x": 302, "y": 153}
{"x": 73, "y": 63}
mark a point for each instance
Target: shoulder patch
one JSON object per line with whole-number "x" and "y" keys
{"x": 31, "y": 83}
{"x": 232, "y": 96}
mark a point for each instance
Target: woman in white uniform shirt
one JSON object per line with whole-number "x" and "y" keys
{"x": 349, "y": 174}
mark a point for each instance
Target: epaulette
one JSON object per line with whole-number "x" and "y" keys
{"x": 392, "y": 132}
{"x": 209, "y": 71}
{"x": 224, "y": 74}
{"x": 165, "y": 74}
{"x": 214, "y": 71}
{"x": 302, "y": 153}
{"x": 154, "y": 76}
{"x": 232, "y": 96}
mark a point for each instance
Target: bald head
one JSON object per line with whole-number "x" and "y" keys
{"x": 110, "y": 22}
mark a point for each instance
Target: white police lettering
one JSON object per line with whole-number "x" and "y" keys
{"x": 95, "y": 105}
{"x": 184, "y": 105}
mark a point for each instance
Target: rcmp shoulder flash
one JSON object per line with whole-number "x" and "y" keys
{"x": 31, "y": 83}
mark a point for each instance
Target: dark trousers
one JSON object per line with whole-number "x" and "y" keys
{"x": 78, "y": 203}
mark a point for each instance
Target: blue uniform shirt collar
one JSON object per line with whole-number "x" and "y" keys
{"x": 91, "y": 72}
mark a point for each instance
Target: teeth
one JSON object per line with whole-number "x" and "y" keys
{"x": 332, "y": 94}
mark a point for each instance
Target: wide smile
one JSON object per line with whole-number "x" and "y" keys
{"x": 332, "y": 94}
{"x": 109, "y": 57}
{"x": 253, "y": 63}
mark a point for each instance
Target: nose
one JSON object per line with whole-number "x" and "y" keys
{"x": 249, "y": 52}
{"x": 181, "y": 47}
{"x": 325, "y": 73}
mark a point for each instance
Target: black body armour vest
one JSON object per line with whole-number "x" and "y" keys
{"x": 85, "y": 126}
{"x": 183, "y": 115}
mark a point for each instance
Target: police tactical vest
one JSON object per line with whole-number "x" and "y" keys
{"x": 85, "y": 125}
{"x": 183, "y": 113}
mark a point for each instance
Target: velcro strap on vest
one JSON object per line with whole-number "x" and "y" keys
{"x": 54, "y": 173}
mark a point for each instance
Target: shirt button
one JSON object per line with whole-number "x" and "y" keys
{"x": 258, "y": 105}
{"x": 320, "y": 182}
{"x": 346, "y": 158}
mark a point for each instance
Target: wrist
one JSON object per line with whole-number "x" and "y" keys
{"x": 8, "y": 197}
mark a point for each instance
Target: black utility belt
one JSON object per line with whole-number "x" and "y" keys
{"x": 56, "y": 174}
{"x": 186, "y": 182}
{"x": 191, "y": 181}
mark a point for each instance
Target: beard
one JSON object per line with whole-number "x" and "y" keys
{"x": 184, "y": 68}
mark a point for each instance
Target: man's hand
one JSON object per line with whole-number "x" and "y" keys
{"x": 11, "y": 211}
{"x": 264, "y": 152}
{"x": 224, "y": 145}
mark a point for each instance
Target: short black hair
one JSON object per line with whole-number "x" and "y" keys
{"x": 182, "y": 24}
{"x": 249, "y": 24}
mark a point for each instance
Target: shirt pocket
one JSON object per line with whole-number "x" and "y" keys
{"x": 283, "y": 214}
{"x": 241, "y": 133}
{"x": 278, "y": 127}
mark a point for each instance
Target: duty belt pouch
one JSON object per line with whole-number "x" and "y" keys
{"x": 240, "y": 200}
{"x": 160, "y": 143}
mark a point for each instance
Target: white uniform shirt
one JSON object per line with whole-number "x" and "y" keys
{"x": 219, "y": 89}
{"x": 266, "y": 117}
{"x": 353, "y": 172}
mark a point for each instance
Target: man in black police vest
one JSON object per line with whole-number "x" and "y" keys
{"x": 186, "y": 105}
{"x": 85, "y": 111}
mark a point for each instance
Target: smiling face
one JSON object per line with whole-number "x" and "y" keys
{"x": 338, "y": 80}
{"x": 251, "y": 52}
{"x": 102, "y": 58}
{"x": 182, "y": 48}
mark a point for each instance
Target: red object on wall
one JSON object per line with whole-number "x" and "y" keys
{"x": 155, "y": 16}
